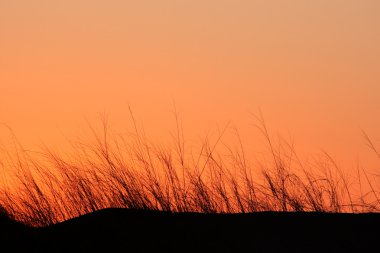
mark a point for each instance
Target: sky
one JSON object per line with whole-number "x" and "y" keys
{"x": 311, "y": 67}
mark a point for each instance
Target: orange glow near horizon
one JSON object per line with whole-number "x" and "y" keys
{"x": 312, "y": 67}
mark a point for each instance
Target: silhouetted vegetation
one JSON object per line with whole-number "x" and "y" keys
{"x": 130, "y": 172}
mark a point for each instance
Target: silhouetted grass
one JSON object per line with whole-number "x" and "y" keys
{"x": 130, "y": 172}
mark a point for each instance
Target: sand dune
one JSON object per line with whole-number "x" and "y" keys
{"x": 121, "y": 230}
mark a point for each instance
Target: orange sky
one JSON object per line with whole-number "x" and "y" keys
{"x": 313, "y": 67}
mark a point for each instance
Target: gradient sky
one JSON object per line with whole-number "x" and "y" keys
{"x": 313, "y": 67}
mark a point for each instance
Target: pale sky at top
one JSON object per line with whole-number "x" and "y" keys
{"x": 313, "y": 67}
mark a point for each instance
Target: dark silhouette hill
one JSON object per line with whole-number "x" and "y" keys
{"x": 122, "y": 230}
{"x": 14, "y": 236}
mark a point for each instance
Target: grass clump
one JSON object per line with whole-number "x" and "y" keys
{"x": 114, "y": 171}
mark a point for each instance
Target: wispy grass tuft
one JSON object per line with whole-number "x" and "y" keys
{"x": 131, "y": 172}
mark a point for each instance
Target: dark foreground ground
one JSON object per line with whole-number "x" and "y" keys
{"x": 121, "y": 230}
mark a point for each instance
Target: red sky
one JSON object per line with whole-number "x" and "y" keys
{"x": 313, "y": 67}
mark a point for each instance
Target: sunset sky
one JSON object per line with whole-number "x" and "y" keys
{"x": 312, "y": 67}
